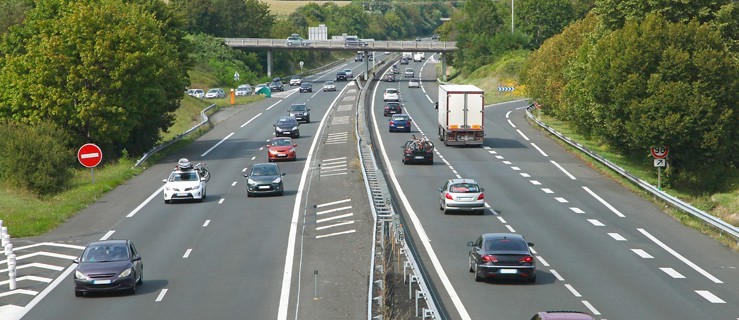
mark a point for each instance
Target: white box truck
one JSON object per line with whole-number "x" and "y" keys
{"x": 461, "y": 112}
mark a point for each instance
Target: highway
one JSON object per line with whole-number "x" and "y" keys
{"x": 599, "y": 247}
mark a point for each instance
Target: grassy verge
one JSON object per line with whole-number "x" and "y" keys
{"x": 503, "y": 72}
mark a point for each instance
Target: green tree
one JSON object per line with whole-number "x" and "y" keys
{"x": 12, "y": 12}
{"x": 541, "y": 19}
{"x": 104, "y": 70}
{"x": 615, "y": 12}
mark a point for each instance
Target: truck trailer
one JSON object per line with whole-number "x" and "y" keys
{"x": 461, "y": 110}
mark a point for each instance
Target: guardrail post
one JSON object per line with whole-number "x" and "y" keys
{"x": 428, "y": 313}
{"x": 411, "y": 280}
{"x": 419, "y": 294}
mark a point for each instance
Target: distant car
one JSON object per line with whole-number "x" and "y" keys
{"x": 435, "y": 37}
{"x": 417, "y": 58}
{"x": 390, "y": 77}
{"x": 349, "y": 73}
{"x": 418, "y": 150}
{"x": 422, "y": 55}
{"x": 264, "y": 178}
{"x": 391, "y": 94}
{"x": 418, "y": 38}
{"x": 562, "y": 315}
{"x": 300, "y": 112}
{"x": 296, "y": 40}
{"x": 358, "y": 58}
{"x": 394, "y": 69}
{"x": 197, "y": 93}
{"x": 399, "y": 122}
{"x": 295, "y": 81}
{"x": 341, "y": 76}
{"x": 404, "y": 60}
{"x": 502, "y": 255}
{"x": 352, "y": 41}
{"x": 287, "y": 126}
{"x": 370, "y": 57}
{"x": 329, "y": 85}
{"x": 215, "y": 93}
{"x": 276, "y": 85}
{"x": 408, "y": 73}
{"x": 306, "y": 87}
{"x": 281, "y": 148}
{"x": 462, "y": 195}
{"x": 243, "y": 90}
{"x": 108, "y": 265}
{"x": 414, "y": 83}
{"x": 392, "y": 108}
{"x": 185, "y": 184}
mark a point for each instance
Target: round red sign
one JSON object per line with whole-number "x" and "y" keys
{"x": 660, "y": 152}
{"x": 90, "y": 155}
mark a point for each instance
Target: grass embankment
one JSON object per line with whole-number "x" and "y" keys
{"x": 504, "y": 72}
{"x": 282, "y": 9}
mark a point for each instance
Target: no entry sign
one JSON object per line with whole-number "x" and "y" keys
{"x": 90, "y": 155}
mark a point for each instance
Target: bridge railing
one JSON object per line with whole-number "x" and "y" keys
{"x": 377, "y": 45}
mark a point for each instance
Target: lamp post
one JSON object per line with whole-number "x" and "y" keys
{"x": 511, "y": 16}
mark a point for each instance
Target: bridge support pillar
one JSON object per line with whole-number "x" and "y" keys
{"x": 269, "y": 63}
{"x": 443, "y": 67}
{"x": 366, "y": 65}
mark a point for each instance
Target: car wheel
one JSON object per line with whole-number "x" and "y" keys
{"x": 477, "y": 274}
{"x": 280, "y": 193}
{"x": 532, "y": 279}
{"x": 167, "y": 201}
{"x": 132, "y": 291}
{"x": 141, "y": 278}
{"x": 79, "y": 293}
{"x": 307, "y": 120}
{"x": 248, "y": 194}
{"x": 469, "y": 264}
{"x": 269, "y": 159}
{"x": 441, "y": 206}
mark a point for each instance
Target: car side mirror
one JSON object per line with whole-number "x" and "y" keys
{"x": 203, "y": 179}
{"x": 246, "y": 175}
{"x": 295, "y": 144}
{"x": 269, "y": 145}
{"x": 136, "y": 258}
{"x": 482, "y": 189}
{"x": 164, "y": 180}
{"x": 76, "y": 260}
{"x": 440, "y": 189}
{"x": 470, "y": 244}
{"x": 531, "y": 244}
{"x": 282, "y": 174}
{"x": 308, "y": 109}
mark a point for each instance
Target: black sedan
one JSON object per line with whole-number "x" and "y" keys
{"x": 287, "y": 126}
{"x": 264, "y": 178}
{"x": 306, "y": 87}
{"x": 109, "y": 265}
{"x": 502, "y": 255}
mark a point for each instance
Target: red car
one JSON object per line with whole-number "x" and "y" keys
{"x": 281, "y": 148}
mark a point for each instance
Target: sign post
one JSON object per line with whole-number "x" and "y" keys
{"x": 660, "y": 160}
{"x": 90, "y": 156}
{"x": 301, "y": 66}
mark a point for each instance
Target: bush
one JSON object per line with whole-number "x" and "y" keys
{"x": 35, "y": 158}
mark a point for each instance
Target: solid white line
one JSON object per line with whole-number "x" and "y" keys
{"x": 333, "y": 159}
{"x": 510, "y": 228}
{"x": 252, "y": 118}
{"x": 642, "y": 253}
{"x": 332, "y": 163}
{"x": 160, "y": 297}
{"x": 17, "y": 291}
{"x": 596, "y": 223}
{"x": 336, "y": 234}
{"x": 40, "y": 253}
{"x": 36, "y": 265}
{"x": 544, "y": 262}
{"x": 561, "y": 200}
{"x": 617, "y": 236}
{"x": 608, "y": 205}
{"x": 333, "y": 167}
{"x": 334, "y": 217}
{"x": 335, "y": 225}
{"x": 508, "y": 114}
{"x": 217, "y": 144}
{"x": 24, "y": 278}
{"x": 556, "y": 275}
{"x": 335, "y": 142}
{"x": 563, "y": 170}
{"x": 333, "y": 210}
{"x": 332, "y": 203}
{"x": 523, "y": 135}
{"x": 679, "y": 256}
{"x": 187, "y": 254}
{"x": 206, "y": 223}
{"x": 572, "y": 289}
{"x": 141, "y": 205}
{"x": 709, "y": 296}
{"x": 672, "y": 273}
{"x": 333, "y": 174}
{"x": 590, "y": 306}
{"x": 107, "y": 235}
{"x": 540, "y": 151}
{"x": 576, "y": 210}
{"x": 52, "y": 244}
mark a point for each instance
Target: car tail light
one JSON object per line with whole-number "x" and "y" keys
{"x": 449, "y": 196}
{"x": 526, "y": 259}
{"x": 489, "y": 258}
{"x": 392, "y": 122}
{"x": 481, "y": 196}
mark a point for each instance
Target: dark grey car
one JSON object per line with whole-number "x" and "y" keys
{"x": 264, "y": 178}
{"x": 109, "y": 265}
{"x": 276, "y": 85}
{"x": 300, "y": 112}
{"x": 502, "y": 255}
{"x": 287, "y": 127}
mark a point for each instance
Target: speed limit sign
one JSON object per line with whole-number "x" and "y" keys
{"x": 660, "y": 152}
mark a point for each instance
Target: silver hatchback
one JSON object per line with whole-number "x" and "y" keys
{"x": 462, "y": 195}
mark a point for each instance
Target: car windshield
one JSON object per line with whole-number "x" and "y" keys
{"x": 505, "y": 245}
{"x": 183, "y": 176}
{"x": 305, "y": 84}
{"x": 286, "y": 122}
{"x": 391, "y": 91}
{"x": 329, "y": 83}
{"x": 264, "y": 171}
{"x": 213, "y": 91}
{"x": 281, "y": 143}
{"x": 105, "y": 253}
{"x": 464, "y": 188}
{"x": 400, "y": 118}
{"x": 297, "y": 108}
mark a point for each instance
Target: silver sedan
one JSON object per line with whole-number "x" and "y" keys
{"x": 462, "y": 195}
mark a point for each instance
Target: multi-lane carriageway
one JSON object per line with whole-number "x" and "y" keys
{"x": 599, "y": 247}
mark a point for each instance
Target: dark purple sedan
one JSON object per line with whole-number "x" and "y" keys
{"x": 109, "y": 265}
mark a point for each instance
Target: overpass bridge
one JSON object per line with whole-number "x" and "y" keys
{"x": 442, "y": 47}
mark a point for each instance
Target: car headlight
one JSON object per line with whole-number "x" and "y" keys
{"x": 250, "y": 181}
{"x": 295, "y": 128}
{"x": 277, "y": 180}
{"x": 125, "y": 273}
{"x": 79, "y": 275}
{"x": 278, "y": 129}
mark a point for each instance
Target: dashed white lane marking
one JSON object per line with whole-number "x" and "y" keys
{"x": 561, "y": 200}
{"x": 617, "y": 236}
{"x": 501, "y": 219}
{"x": 510, "y": 228}
{"x": 523, "y": 135}
{"x": 679, "y": 256}
{"x": 596, "y": 223}
{"x": 492, "y": 152}
{"x": 217, "y": 144}
{"x": 274, "y": 104}
{"x": 254, "y": 117}
{"x": 187, "y": 254}
{"x": 709, "y": 296}
{"x": 507, "y": 162}
{"x": 672, "y": 273}
{"x": 540, "y": 151}
{"x": 335, "y": 225}
{"x": 160, "y": 297}
{"x": 141, "y": 205}
{"x": 499, "y": 157}
{"x": 206, "y": 223}
{"x": 332, "y": 203}
{"x": 608, "y": 205}
{"x": 107, "y": 235}
{"x": 525, "y": 175}
{"x": 544, "y": 262}
{"x": 233, "y": 184}
{"x": 576, "y": 210}
{"x": 486, "y": 147}
{"x": 642, "y": 253}
{"x": 333, "y": 210}
{"x": 572, "y": 289}
{"x": 511, "y": 123}
{"x": 252, "y": 158}
{"x": 450, "y": 167}
{"x": 556, "y": 275}
{"x": 516, "y": 168}
{"x": 336, "y": 234}
{"x": 221, "y": 201}
{"x": 561, "y": 168}
{"x": 547, "y": 190}
{"x": 535, "y": 182}
{"x": 592, "y": 309}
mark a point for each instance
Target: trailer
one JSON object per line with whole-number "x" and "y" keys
{"x": 461, "y": 111}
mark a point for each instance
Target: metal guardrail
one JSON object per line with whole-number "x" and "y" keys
{"x": 672, "y": 200}
{"x": 376, "y": 45}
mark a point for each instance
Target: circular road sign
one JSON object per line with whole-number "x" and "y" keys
{"x": 90, "y": 155}
{"x": 660, "y": 152}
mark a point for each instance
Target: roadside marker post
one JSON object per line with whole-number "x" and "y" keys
{"x": 660, "y": 160}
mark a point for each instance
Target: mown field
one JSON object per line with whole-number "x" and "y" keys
{"x": 285, "y": 8}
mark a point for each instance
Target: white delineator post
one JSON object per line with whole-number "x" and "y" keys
{"x": 11, "y": 271}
